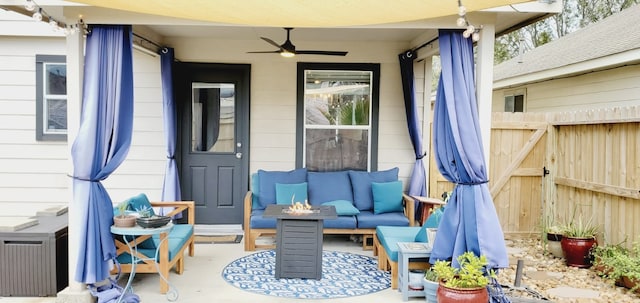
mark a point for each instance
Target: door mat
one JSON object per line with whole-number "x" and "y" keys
{"x": 224, "y": 239}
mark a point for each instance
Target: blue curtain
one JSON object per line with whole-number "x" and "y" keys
{"x": 417, "y": 185}
{"x": 171, "y": 185}
{"x": 102, "y": 143}
{"x": 470, "y": 221}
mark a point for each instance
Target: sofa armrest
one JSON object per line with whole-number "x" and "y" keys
{"x": 409, "y": 208}
{"x": 247, "y": 209}
{"x": 179, "y": 206}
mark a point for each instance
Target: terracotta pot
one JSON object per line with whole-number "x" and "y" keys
{"x": 455, "y": 295}
{"x": 124, "y": 221}
{"x": 577, "y": 251}
{"x": 631, "y": 283}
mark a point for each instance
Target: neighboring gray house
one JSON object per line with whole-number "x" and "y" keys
{"x": 595, "y": 67}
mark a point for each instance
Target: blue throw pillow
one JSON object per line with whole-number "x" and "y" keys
{"x": 361, "y": 182}
{"x": 343, "y": 207}
{"x": 268, "y": 180}
{"x": 140, "y": 202}
{"x": 387, "y": 197}
{"x": 285, "y": 192}
{"x": 329, "y": 186}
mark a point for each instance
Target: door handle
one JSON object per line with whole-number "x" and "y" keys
{"x": 239, "y": 155}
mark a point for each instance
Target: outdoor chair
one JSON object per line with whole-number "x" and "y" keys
{"x": 154, "y": 254}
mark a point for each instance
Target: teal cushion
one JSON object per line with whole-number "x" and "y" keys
{"x": 286, "y": 192}
{"x": 255, "y": 188}
{"x": 387, "y": 197}
{"x": 361, "y": 182}
{"x": 268, "y": 180}
{"x": 343, "y": 207}
{"x": 140, "y": 202}
{"x": 432, "y": 222}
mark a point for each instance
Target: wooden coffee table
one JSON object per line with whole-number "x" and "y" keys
{"x": 299, "y": 240}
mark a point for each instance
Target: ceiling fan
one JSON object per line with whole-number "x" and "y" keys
{"x": 287, "y": 49}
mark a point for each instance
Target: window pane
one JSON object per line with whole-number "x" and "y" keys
{"x": 337, "y": 97}
{"x": 56, "y": 115}
{"x": 213, "y": 117}
{"x": 56, "y": 79}
{"x": 337, "y": 149}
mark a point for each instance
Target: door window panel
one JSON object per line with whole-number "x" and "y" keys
{"x": 213, "y": 117}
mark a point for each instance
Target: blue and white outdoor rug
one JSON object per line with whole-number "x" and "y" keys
{"x": 343, "y": 275}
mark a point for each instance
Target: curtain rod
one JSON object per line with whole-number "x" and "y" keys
{"x": 425, "y": 44}
{"x": 149, "y": 41}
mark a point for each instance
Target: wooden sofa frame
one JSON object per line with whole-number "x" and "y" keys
{"x": 148, "y": 263}
{"x": 251, "y": 234}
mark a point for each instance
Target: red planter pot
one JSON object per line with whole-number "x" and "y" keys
{"x": 456, "y": 295}
{"x": 577, "y": 251}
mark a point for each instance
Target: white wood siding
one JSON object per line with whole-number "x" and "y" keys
{"x": 33, "y": 175}
{"x": 616, "y": 87}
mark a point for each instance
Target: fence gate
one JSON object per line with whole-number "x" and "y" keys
{"x": 517, "y": 161}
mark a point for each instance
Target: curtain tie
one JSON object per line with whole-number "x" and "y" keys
{"x": 83, "y": 179}
{"x": 473, "y": 183}
{"x": 171, "y": 157}
{"x": 421, "y": 156}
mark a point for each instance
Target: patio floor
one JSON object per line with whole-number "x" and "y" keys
{"x": 202, "y": 280}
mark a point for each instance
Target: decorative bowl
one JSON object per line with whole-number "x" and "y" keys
{"x": 153, "y": 222}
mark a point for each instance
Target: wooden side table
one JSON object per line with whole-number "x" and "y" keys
{"x": 411, "y": 252}
{"x": 428, "y": 204}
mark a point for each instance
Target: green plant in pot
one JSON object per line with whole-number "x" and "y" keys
{"x": 122, "y": 219}
{"x": 466, "y": 283}
{"x": 618, "y": 264}
{"x": 578, "y": 240}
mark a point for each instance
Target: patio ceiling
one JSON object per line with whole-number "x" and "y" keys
{"x": 407, "y": 21}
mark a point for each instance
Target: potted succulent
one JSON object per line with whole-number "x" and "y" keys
{"x": 578, "y": 240}
{"x": 430, "y": 284}
{"x": 122, "y": 219}
{"x": 468, "y": 283}
{"x": 553, "y": 236}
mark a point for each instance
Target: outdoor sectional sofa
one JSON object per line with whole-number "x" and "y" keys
{"x": 363, "y": 201}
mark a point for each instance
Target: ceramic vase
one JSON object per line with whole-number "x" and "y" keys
{"x": 577, "y": 251}
{"x": 554, "y": 246}
{"x": 430, "y": 289}
{"x": 457, "y": 295}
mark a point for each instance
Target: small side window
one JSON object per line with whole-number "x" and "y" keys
{"x": 51, "y": 98}
{"x": 514, "y": 103}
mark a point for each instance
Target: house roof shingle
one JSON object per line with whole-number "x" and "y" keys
{"x": 615, "y": 34}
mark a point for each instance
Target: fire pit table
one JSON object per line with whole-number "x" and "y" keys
{"x": 299, "y": 240}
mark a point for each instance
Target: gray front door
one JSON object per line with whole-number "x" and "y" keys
{"x": 214, "y": 135}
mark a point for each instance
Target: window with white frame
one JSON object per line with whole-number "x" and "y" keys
{"x": 514, "y": 102}
{"x": 337, "y": 116}
{"x": 51, "y": 98}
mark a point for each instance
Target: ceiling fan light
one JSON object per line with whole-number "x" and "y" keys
{"x": 287, "y": 54}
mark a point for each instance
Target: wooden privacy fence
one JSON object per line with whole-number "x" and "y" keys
{"x": 550, "y": 167}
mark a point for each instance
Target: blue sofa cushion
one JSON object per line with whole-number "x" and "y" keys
{"x": 286, "y": 192}
{"x": 361, "y": 182}
{"x": 268, "y": 180}
{"x": 366, "y": 219}
{"x": 342, "y": 222}
{"x": 258, "y": 221}
{"x": 255, "y": 188}
{"x": 329, "y": 186}
{"x": 178, "y": 236}
{"x": 390, "y": 236}
{"x": 343, "y": 207}
{"x": 387, "y": 197}
{"x": 432, "y": 222}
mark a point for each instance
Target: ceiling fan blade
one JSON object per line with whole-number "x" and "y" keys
{"x": 265, "y": 52}
{"x": 272, "y": 43}
{"x": 318, "y": 52}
